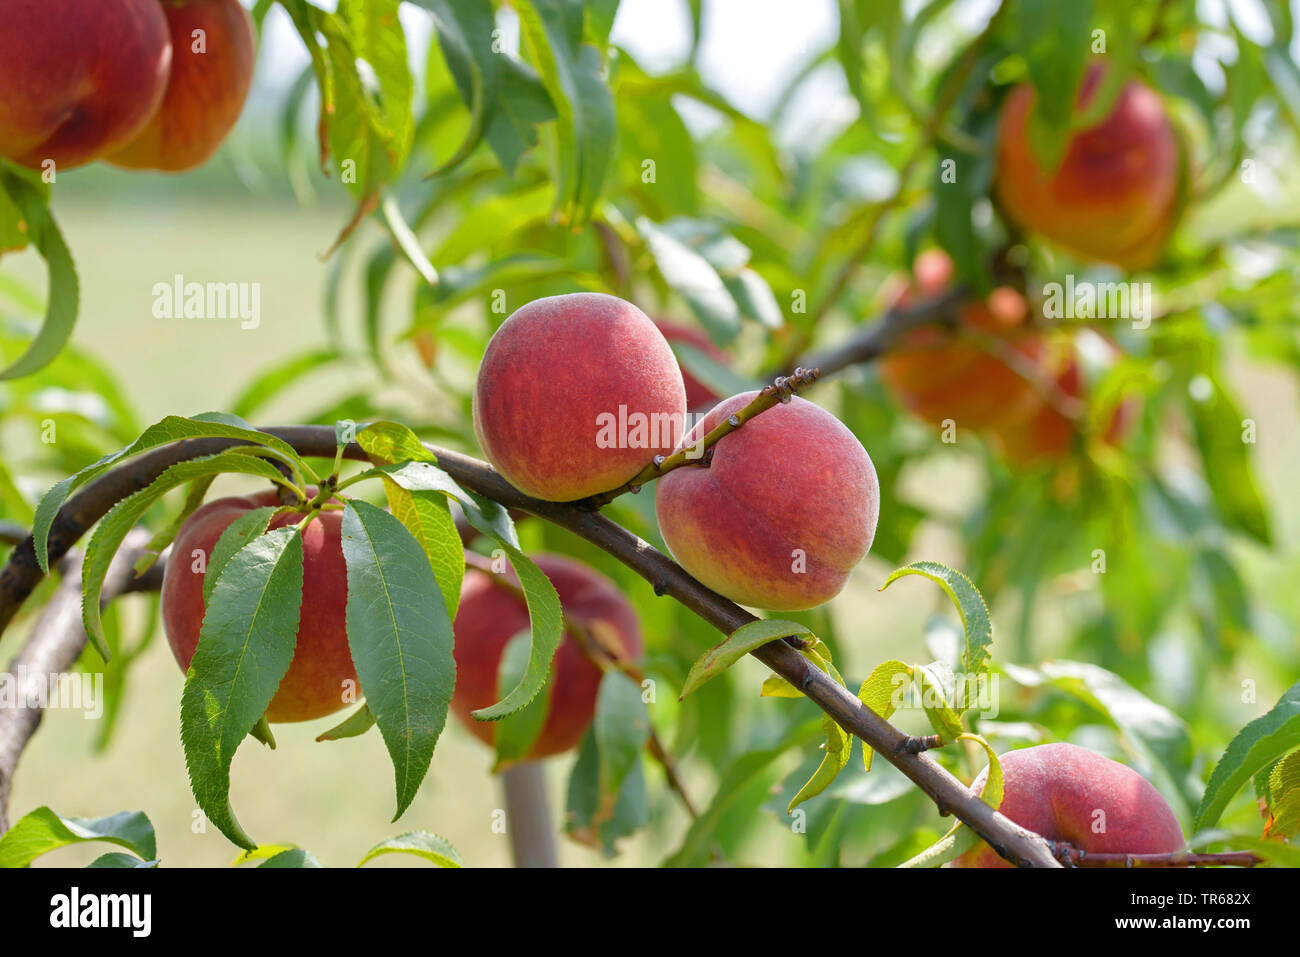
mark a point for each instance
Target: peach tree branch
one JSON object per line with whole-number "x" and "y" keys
{"x": 21, "y": 574}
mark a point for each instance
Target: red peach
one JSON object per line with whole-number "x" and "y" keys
{"x": 575, "y": 395}
{"x": 78, "y": 78}
{"x": 1114, "y": 196}
{"x": 784, "y": 510}
{"x": 212, "y": 67}
{"x": 1068, "y": 793}
{"x": 322, "y": 661}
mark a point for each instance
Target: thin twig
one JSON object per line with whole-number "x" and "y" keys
{"x": 1071, "y": 856}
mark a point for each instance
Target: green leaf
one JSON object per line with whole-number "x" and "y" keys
{"x": 879, "y": 693}
{"x": 1257, "y": 745}
{"x": 64, "y": 297}
{"x": 245, "y": 647}
{"x": 622, "y": 727}
{"x": 974, "y": 613}
{"x": 401, "y": 640}
{"x": 515, "y": 733}
{"x": 695, "y": 279}
{"x": 357, "y": 723}
{"x": 1225, "y": 459}
{"x": 948, "y": 848}
{"x": 173, "y": 428}
{"x": 431, "y": 847}
{"x": 597, "y": 819}
{"x": 117, "y": 859}
{"x": 936, "y": 684}
{"x": 585, "y": 124}
{"x": 166, "y": 535}
{"x": 42, "y": 831}
{"x": 1284, "y": 797}
{"x": 838, "y": 748}
{"x": 1054, "y": 38}
{"x": 123, "y": 516}
{"x": 736, "y": 645}
{"x": 466, "y": 32}
{"x": 294, "y": 857}
{"x": 428, "y": 518}
{"x": 248, "y": 526}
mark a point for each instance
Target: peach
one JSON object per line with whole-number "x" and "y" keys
{"x": 490, "y": 614}
{"x": 778, "y": 512}
{"x": 698, "y": 395}
{"x": 78, "y": 78}
{"x": 575, "y": 395}
{"x": 322, "y": 661}
{"x": 1068, "y": 793}
{"x": 212, "y": 67}
{"x": 1115, "y": 195}
{"x": 1046, "y": 434}
{"x": 939, "y": 374}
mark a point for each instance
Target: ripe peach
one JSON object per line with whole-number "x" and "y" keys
{"x": 1068, "y": 793}
{"x": 1114, "y": 196}
{"x": 1046, "y": 434}
{"x": 212, "y": 66}
{"x": 783, "y": 510}
{"x": 698, "y": 395}
{"x": 940, "y": 374}
{"x": 78, "y": 78}
{"x": 575, "y": 395}
{"x": 322, "y": 660}
{"x": 491, "y": 614}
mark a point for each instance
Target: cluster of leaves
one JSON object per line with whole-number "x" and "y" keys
{"x": 42, "y": 830}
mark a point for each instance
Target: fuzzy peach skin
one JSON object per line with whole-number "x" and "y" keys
{"x": 78, "y": 78}
{"x": 792, "y": 481}
{"x": 939, "y": 374}
{"x": 1114, "y": 197}
{"x": 206, "y": 91}
{"x": 1068, "y": 793}
{"x": 549, "y": 375}
{"x": 698, "y": 395}
{"x": 490, "y": 615}
{"x": 1046, "y": 435}
{"x": 322, "y": 662}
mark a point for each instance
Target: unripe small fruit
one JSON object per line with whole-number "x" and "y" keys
{"x": 575, "y": 395}
{"x": 78, "y": 78}
{"x": 784, "y": 510}
{"x": 206, "y": 91}
{"x": 321, "y": 671}
{"x": 490, "y": 615}
{"x": 1068, "y": 793}
{"x": 1115, "y": 195}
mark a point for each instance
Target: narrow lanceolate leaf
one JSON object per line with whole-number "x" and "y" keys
{"x": 466, "y": 33}
{"x": 123, "y": 516}
{"x": 245, "y": 646}
{"x": 295, "y": 857}
{"x": 970, "y": 604}
{"x": 622, "y": 729}
{"x": 400, "y": 635}
{"x": 992, "y": 791}
{"x": 428, "y": 518}
{"x": 735, "y": 646}
{"x": 42, "y": 831}
{"x": 357, "y": 723}
{"x": 936, "y": 688}
{"x": 882, "y": 693}
{"x": 248, "y": 526}
{"x": 193, "y": 499}
{"x": 515, "y": 733}
{"x": 839, "y": 746}
{"x": 431, "y": 847}
{"x": 1257, "y": 745}
{"x": 412, "y": 466}
{"x": 170, "y": 429}
{"x": 65, "y": 296}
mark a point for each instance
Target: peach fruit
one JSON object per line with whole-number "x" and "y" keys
{"x": 785, "y": 507}
{"x": 322, "y": 661}
{"x": 575, "y": 395}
